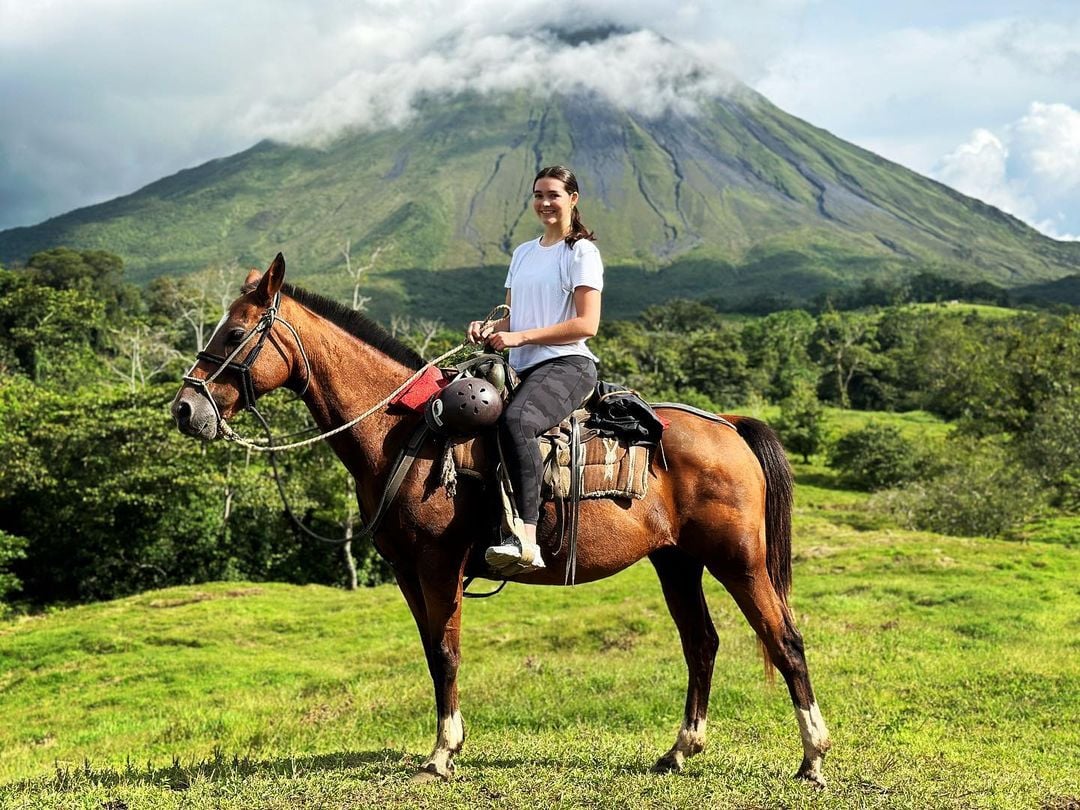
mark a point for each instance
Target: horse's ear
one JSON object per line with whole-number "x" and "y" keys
{"x": 252, "y": 279}
{"x": 271, "y": 280}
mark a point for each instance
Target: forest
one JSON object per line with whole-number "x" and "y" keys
{"x": 101, "y": 497}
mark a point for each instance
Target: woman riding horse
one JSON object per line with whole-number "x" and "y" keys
{"x": 722, "y": 502}
{"x": 553, "y": 289}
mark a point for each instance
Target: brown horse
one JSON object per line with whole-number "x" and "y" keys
{"x": 722, "y": 502}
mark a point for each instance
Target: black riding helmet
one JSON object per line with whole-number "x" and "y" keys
{"x": 464, "y": 407}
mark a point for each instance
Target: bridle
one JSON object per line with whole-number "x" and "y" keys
{"x": 262, "y": 329}
{"x": 260, "y": 332}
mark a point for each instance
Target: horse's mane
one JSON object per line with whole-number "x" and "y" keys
{"x": 355, "y": 324}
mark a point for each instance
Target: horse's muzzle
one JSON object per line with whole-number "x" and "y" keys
{"x": 195, "y": 416}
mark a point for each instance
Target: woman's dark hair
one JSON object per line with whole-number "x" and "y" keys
{"x": 577, "y": 227}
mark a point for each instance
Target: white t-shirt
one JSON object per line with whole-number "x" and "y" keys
{"x": 541, "y": 281}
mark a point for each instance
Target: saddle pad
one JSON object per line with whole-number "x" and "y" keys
{"x": 611, "y": 470}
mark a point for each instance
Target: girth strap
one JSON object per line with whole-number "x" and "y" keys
{"x": 577, "y": 470}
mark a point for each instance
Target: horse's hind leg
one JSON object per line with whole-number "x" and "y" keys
{"x": 772, "y": 621}
{"x": 680, "y": 578}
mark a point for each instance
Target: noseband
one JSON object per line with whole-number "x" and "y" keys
{"x": 242, "y": 369}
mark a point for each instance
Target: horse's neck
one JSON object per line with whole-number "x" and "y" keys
{"x": 348, "y": 378}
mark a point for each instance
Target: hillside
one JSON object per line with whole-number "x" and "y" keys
{"x": 739, "y": 201}
{"x": 943, "y": 666}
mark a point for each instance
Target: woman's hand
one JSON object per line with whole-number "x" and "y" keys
{"x": 506, "y": 340}
{"x": 476, "y": 331}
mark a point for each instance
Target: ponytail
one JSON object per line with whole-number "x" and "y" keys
{"x": 578, "y": 230}
{"x": 569, "y": 181}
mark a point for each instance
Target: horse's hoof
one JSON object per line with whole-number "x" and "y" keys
{"x": 428, "y": 774}
{"x": 666, "y": 764}
{"x": 813, "y": 777}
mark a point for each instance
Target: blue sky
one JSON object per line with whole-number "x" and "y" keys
{"x": 101, "y": 97}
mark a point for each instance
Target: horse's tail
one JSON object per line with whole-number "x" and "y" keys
{"x": 779, "y": 491}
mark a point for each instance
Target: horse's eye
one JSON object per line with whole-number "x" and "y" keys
{"x": 234, "y": 336}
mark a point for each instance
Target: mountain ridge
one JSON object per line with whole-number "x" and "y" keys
{"x": 740, "y": 199}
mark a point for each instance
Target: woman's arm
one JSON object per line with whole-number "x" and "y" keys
{"x": 583, "y": 325}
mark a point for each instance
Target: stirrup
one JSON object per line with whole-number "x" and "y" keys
{"x": 512, "y": 557}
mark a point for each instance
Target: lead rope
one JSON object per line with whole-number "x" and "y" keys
{"x": 270, "y": 448}
{"x": 230, "y": 435}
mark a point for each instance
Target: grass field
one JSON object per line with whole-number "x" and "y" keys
{"x": 948, "y": 671}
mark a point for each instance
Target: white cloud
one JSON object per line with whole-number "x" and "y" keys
{"x": 1030, "y": 170}
{"x": 102, "y": 96}
{"x": 923, "y": 89}
{"x": 638, "y": 70}
{"x": 1047, "y": 142}
{"x": 978, "y": 168}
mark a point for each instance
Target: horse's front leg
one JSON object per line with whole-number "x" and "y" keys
{"x": 441, "y": 591}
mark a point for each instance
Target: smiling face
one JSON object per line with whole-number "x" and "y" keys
{"x": 553, "y": 205}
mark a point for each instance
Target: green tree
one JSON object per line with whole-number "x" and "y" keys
{"x": 844, "y": 345}
{"x": 12, "y": 548}
{"x": 681, "y": 315}
{"x": 46, "y": 332}
{"x": 96, "y": 274}
{"x": 801, "y": 423}
{"x": 777, "y": 352}
{"x": 113, "y": 500}
{"x": 1051, "y": 447}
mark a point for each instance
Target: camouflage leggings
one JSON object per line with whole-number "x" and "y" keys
{"x": 549, "y": 392}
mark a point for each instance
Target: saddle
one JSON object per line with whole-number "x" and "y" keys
{"x": 604, "y": 468}
{"x": 600, "y": 451}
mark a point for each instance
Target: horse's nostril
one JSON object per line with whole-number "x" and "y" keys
{"x": 182, "y": 412}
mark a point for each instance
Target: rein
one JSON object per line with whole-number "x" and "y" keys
{"x": 266, "y": 322}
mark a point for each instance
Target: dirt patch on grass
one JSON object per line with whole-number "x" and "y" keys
{"x": 201, "y": 596}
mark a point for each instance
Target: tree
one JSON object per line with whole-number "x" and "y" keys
{"x": 96, "y": 274}
{"x": 47, "y": 332}
{"x": 195, "y": 302}
{"x": 11, "y": 548}
{"x": 801, "y": 423}
{"x": 142, "y": 352}
{"x": 681, "y": 315}
{"x": 844, "y": 344}
{"x": 356, "y": 274}
{"x": 777, "y": 352}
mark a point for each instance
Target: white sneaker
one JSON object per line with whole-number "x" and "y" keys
{"x": 513, "y": 556}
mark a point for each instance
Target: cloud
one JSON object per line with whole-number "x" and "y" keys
{"x": 1032, "y": 170}
{"x": 913, "y": 93}
{"x": 638, "y": 70}
{"x": 102, "y": 96}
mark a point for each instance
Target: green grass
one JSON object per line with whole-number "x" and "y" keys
{"x": 948, "y": 670}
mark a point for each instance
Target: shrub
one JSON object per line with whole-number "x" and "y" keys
{"x": 801, "y": 423}
{"x": 982, "y": 490}
{"x": 876, "y": 457}
{"x": 1051, "y": 448}
{"x": 11, "y": 548}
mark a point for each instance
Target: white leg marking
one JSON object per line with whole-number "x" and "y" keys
{"x": 815, "y": 740}
{"x": 690, "y": 741}
{"x": 448, "y": 742}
